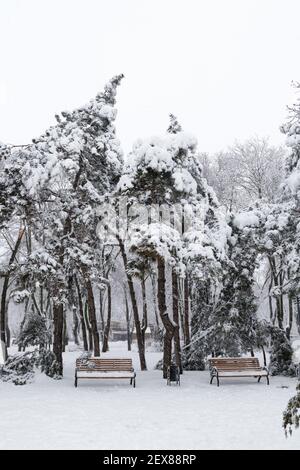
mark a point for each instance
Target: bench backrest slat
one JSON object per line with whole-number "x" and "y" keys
{"x": 99, "y": 364}
{"x": 234, "y": 363}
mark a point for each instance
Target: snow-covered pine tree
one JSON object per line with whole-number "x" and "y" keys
{"x": 174, "y": 126}
{"x": 57, "y": 183}
{"x": 204, "y": 245}
{"x": 85, "y": 144}
{"x": 235, "y": 316}
{"x": 166, "y": 172}
{"x": 291, "y": 198}
{"x": 205, "y": 233}
{"x": 34, "y": 332}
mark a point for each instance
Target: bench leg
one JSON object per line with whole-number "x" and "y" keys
{"x": 131, "y": 381}
{"x": 268, "y": 381}
{"x": 75, "y": 383}
{"x": 134, "y": 382}
{"x": 259, "y": 378}
{"x": 212, "y": 378}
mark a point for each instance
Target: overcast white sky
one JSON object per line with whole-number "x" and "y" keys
{"x": 224, "y": 67}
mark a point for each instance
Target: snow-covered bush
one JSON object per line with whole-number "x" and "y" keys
{"x": 46, "y": 361}
{"x": 291, "y": 416}
{"x": 18, "y": 369}
{"x": 281, "y": 359}
{"x": 194, "y": 358}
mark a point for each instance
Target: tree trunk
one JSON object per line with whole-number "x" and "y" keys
{"x": 23, "y": 322}
{"x": 8, "y": 335}
{"x": 92, "y": 317}
{"x": 272, "y": 319}
{"x": 297, "y": 302}
{"x": 101, "y": 313}
{"x": 75, "y": 326}
{"x": 134, "y": 307}
{"x": 168, "y": 325}
{"x": 291, "y": 316}
{"x": 176, "y": 319}
{"x": 108, "y": 321}
{"x": 127, "y": 320}
{"x": 81, "y": 315}
{"x": 58, "y": 320}
{"x": 279, "y": 303}
{"x": 154, "y": 293}
{"x": 264, "y": 355}
{"x": 88, "y": 324}
{"x": 65, "y": 333}
{"x": 181, "y": 305}
{"x": 145, "y": 313}
{"x": 187, "y": 337}
{"x": 4, "y": 292}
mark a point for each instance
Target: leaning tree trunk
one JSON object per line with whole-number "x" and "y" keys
{"x": 58, "y": 321}
{"x": 108, "y": 320}
{"x": 264, "y": 355}
{"x": 4, "y": 292}
{"x": 168, "y": 325}
{"x": 176, "y": 319}
{"x": 134, "y": 307}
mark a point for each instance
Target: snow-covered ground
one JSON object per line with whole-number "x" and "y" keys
{"x": 49, "y": 414}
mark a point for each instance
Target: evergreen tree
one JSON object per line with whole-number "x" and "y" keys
{"x": 56, "y": 184}
{"x": 34, "y": 332}
{"x": 166, "y": 172}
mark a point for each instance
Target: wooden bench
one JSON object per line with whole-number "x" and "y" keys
{"x": 236, "y": 367}
{"x": 98, "y": 368}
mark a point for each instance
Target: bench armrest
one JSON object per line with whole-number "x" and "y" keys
{"x": 266, "y": 369}
{"x": 213, "y": 371}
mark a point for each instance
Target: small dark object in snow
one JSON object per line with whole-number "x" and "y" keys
{"x": 173, "y": 374}
{"x": 283, "y": 386}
